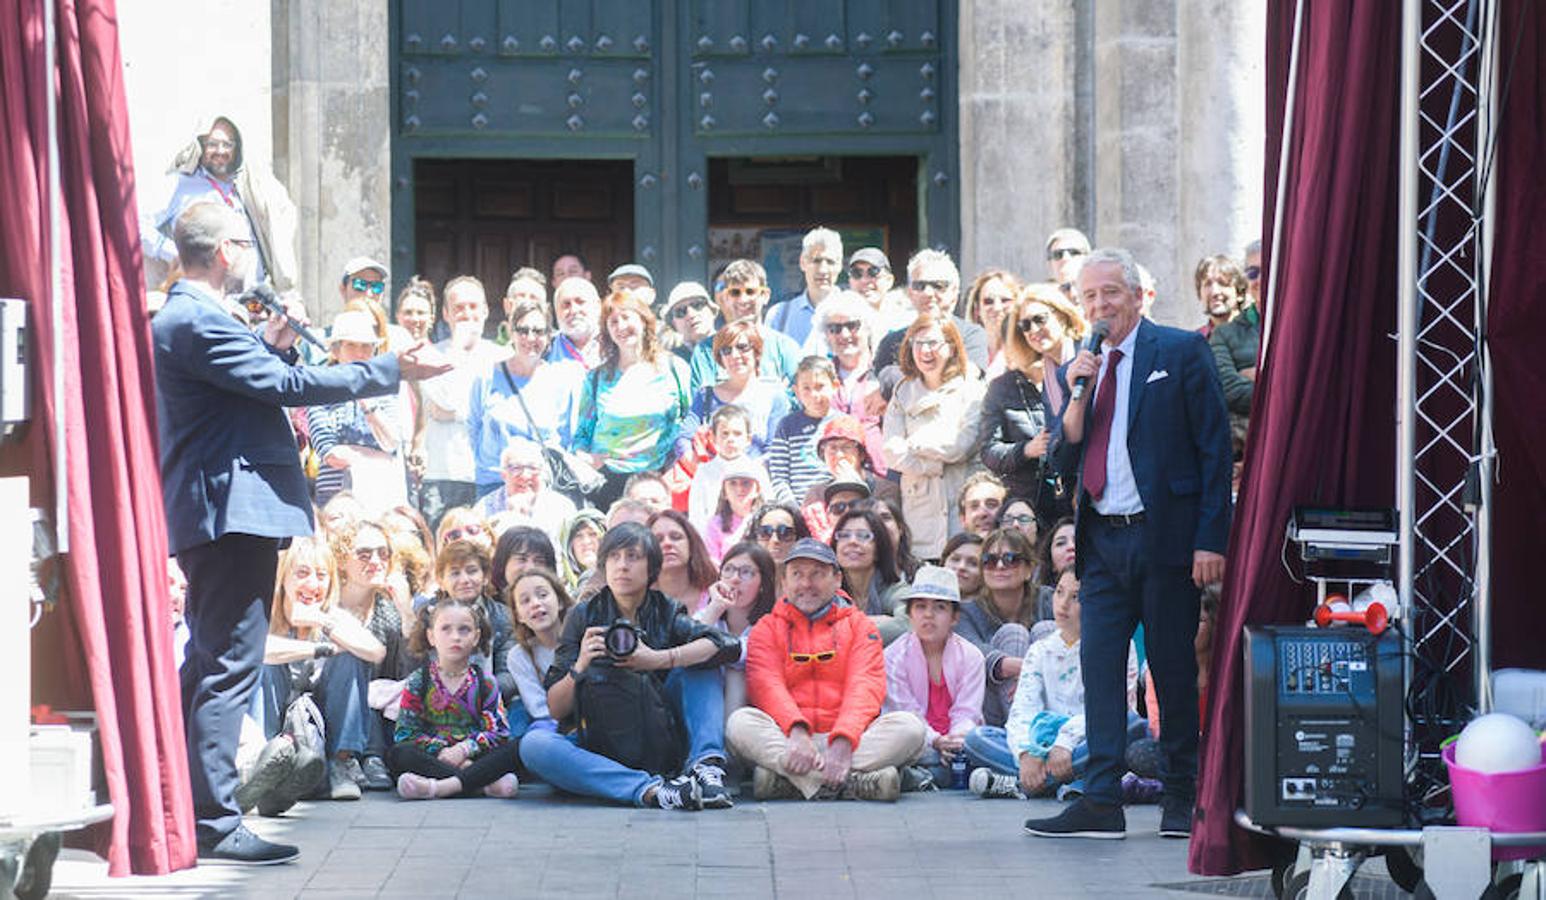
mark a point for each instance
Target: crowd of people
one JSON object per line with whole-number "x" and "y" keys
{"x": 643, "y": 546}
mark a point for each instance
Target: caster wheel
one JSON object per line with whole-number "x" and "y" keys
{"x": 1508, "y": 888}
{"x": 1298, "y": 888}
{"x": 1404, "y": 869}
{"x": 37, "y": 874}
{"x": 1284, "y": 855}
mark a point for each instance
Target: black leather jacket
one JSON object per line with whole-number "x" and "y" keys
{"x": 664, "y": 623}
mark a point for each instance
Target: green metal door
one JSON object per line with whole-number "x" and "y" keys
{"x": 668, "y": 84}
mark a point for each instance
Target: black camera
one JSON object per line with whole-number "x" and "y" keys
{"x": 621, "y": 639}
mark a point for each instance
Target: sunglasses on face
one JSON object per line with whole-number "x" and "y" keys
{"x": 840, "y": 327}
{"x": 994, "y": 302}
{"x": 1006, "y": 560}
{"x": 688, "y": 307}
{"x": 823, "y": 656}
{"x": 743, "y": 292}
{"x": 921, "y": 285}
{"x": 256, "y": 308}
{"x": 1033, "y": 322}
{"x": 863, "y": 537}
{"x": 1252, "y": 273}
{"x": 840, "y": 507}
{"x": 732, "y": 349}
{"x": 780, "y": 532}
{"x": 366, "y": 554}
{"x": 460, "y": 534}
{"x": 530, "y": 331}
{"x": 864, "y": 272}
{"x": 1064, "y": 253}
{"x": 365, "y": 285}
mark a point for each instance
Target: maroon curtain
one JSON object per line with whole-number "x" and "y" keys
{"x": 1516, "y": 322}
{"x": 1323, "y": 424}
{"x": 108, "y": 645}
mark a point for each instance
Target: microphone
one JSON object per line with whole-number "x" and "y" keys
{"x": 1092, "y": 344}
{"x": 265, "y": 295}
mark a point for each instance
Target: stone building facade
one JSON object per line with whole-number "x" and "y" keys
{"x": 1139, "y": 121}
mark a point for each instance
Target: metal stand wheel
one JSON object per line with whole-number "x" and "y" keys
{"x": 1404, "y": 869}
{"x": 37, "y": 872}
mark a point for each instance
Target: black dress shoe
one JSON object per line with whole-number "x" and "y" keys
{"x": 1175, "y": 817}
{"x": 243, "y": 848}
{"x": 1084, "y": 819}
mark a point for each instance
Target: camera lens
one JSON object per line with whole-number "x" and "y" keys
{"x": 621, "y": 640}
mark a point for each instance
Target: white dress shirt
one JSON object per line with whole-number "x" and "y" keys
{"x": 1121, "y": 494}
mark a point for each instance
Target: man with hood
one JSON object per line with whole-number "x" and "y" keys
{"x": 212, "y": 167}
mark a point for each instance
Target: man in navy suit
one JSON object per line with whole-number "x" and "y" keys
{"x": 234, "y": 490}
{"x": 1149, "y": 440}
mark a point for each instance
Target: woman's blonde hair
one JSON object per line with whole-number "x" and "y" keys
{"x": 1018, "y": 352}
{"x": 312, "y": 549}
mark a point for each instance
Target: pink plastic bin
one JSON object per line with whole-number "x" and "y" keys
{"x": 1504, "y": 802}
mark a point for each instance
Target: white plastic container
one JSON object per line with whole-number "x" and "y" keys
{"x": 1521, "y": 693}
{"x": 60, "y": 769}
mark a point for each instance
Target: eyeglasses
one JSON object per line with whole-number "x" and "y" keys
{"x": 459, "y": 534}
{"x": 994, "y": 302}
{"x": 366, "y": 554}
{"x": 929, "y": 344}
{"x": 823, "y": 656}
{"x": 1066, "y": 252}
{"x": 530, "y": 331}
{"x": 740, "y": 347}
{"x": 921, "y": 285}
{"x": 840, "y": 327}
{"x": 742, "y": 291}
{"x": 218, "y": 144}
{"x": 1006, "y": 560}
{"x": 853, "y": 534}
{"x": 1252, "y": 273}
{"x": 781, "y": 532}
{"x": 738, "y": 573}
{"x": 516, "y": 468}
{"x": 1033, "y": 322}
{"x": 1019, "y": 521}
{"x": 864, "y": 272}
{"x": 367, "y": 286}
{"x": 688, "y": 307}
{"x": 839, "y": 507}
{"x": 244, "y": 243}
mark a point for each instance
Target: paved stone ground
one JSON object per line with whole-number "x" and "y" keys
{"x": 948, "y": 844}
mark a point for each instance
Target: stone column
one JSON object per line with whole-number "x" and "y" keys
{"x": 1222, "y": 61}
{"x": 332, "y": 122}
{"x": 1021, "y": 159}
{"x": 1137, "y": 194}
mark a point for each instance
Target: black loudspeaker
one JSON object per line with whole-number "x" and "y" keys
{"x": 1323, "y": 718}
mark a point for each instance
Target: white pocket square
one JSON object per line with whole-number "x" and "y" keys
{"x": 1156, "y": 375}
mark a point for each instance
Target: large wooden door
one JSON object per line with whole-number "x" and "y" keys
{"x": 490, "y": 217}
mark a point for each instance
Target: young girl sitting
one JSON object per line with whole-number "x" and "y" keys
{"x": 452, "y": 738}
{"x": 1042, "y": 746}
{"x": 539, "y": 602}
{"x": 742, "y": 491}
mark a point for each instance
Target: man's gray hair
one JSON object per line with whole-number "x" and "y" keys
{"x": 1120, "y": 257}
{"x": 576, "y": 284}
{"x": 825, "y": 238}
{"x": 929, "y": 256}
{"x": 199, "y": 230}
{"x": 1253, "y": 247}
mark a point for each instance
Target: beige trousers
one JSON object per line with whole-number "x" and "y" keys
{"x": 893, "y": 739}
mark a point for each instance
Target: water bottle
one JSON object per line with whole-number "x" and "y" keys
{"x": 958, "y": 771}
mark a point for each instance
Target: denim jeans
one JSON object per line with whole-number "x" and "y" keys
{"x": 988, "y": 745}
{"x": 339, "y": 692}
{"x": 699, "y": 699}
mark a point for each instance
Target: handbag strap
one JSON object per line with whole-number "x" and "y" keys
{"x": 530, "y": 422}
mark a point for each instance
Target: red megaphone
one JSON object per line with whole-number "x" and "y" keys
{"x": 1374, "y": 618}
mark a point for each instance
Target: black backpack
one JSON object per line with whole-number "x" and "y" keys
{"x": 625, "y": 716}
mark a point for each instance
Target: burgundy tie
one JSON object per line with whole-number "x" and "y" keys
{"x": 1100, "y": 428}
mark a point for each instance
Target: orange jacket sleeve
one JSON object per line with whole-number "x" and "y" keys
{"x": 865, "y": 689}
{"x": 766, "y": 651}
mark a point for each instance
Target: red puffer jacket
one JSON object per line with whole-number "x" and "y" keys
{"x": 839, "y": 687}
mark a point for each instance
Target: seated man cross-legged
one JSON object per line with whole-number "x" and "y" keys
{"x": 816, "y": 678}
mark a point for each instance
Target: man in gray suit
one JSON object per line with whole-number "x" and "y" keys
{"x": 234, "y": 491}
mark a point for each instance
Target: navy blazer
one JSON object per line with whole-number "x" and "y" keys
{"x": 229, "y": 461}
{"x": 1178, "y": 442}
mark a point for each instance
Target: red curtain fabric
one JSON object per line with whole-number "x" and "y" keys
{"x": 108, "y": 646}
{"x": 1322, "y": 424}
{"x": 1516, "y": 319}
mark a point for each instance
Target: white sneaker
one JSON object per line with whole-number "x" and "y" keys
{"x": 991, "y": 785}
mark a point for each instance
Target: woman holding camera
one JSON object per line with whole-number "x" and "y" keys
{"x": 646, "y": 677}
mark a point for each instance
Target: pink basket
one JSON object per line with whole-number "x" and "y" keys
{"x": 1504, "y": 802}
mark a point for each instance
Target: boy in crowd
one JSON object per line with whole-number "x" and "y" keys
{"x": 792, "y": 461}
{"x": 732, "y": 430}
